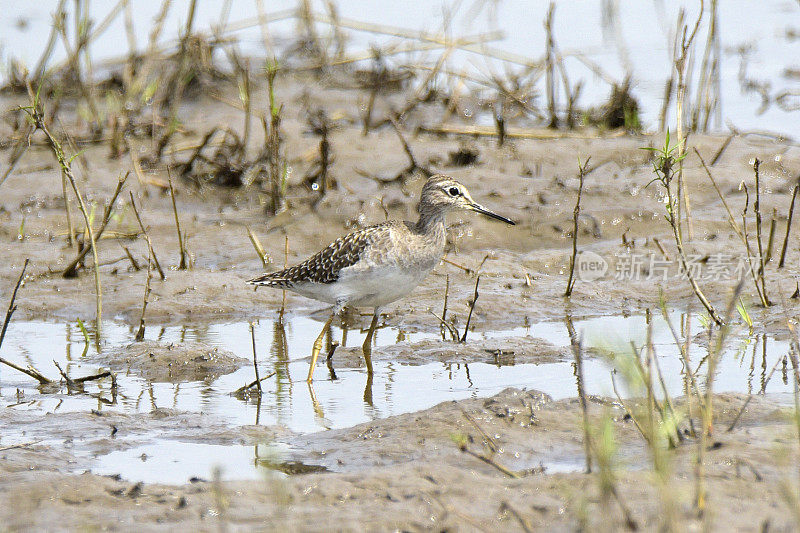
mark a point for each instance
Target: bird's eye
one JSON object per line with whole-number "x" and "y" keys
{"x": 453, "y": 191}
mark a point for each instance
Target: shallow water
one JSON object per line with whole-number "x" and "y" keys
{"x": 397, "y": 387}
{"x": 331, "y": 403}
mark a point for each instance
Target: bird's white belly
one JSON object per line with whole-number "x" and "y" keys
{"x": 371, "y": 287}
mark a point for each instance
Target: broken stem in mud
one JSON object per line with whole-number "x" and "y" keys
{"x": 32, "y": 372}
{"x": 70, "y": 227}
{"x": 462, "y": 445}
{"x": 471, "y": 302}
{"x": 722, "y": 149}
{"x": 140, "y": 332}
{"x": 487, "y": 439}
{"x": 255, "y": 360}
{"x": 150, "y": 249}
{"x": 11, "y": 307}
{"x": 757, "y": 209}
{"x": 134, "y": 264}
{"x": 741, "y": 231}
{"x": 184, "y": 264}
{"x": 450, "y": 327}
{"x": 523, "y": 522}
{"x": 753, "y": 271}
{"x": 627, "y": 408}
{"x": 576, "y": 213}
{"x": 100, "y": 375}
{"x": 731, "y": 219}
{"x": 771, "y": 237}
{"x": 36, "y": 114}
{"x": 254, "y": 240}
{"x": 444, "y": 308}
{"x": 788, "y": 225}
{"x": 241, "y": 390}
{"x": 71, "y": 270}
{"x": 467, "y": 271}
{"x": 70, "y": 384}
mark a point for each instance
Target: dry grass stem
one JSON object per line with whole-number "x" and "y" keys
{"x": 140, "y": 332}
{"x": 472, "y": 303}
{"x": 575, "y": 216}
{"x": 150, "y": 249}
{"x": 184, "y": 262}
{"x": 788, "y": 225}
{"x": 71, "y": 270}
{"x": 12, "y": 307}
{"x": 37, "y": 116}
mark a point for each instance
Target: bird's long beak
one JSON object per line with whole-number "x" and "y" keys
{"x": 480, "y": 209}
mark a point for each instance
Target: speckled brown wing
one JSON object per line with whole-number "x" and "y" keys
{"x": 325, "y": 265}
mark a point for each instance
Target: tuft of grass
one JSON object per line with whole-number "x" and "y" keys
{"x": 665, "y": 162}
{"x": 35, "y": 114}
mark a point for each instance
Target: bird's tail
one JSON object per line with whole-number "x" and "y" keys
{"x": 271, "y": 279}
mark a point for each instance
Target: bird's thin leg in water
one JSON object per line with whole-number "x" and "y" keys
{"x": 318, "y": 346}
{"x": 367, "y": 347}
{"x": 368, "y": 391}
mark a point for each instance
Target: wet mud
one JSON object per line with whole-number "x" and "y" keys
{"x": 431, "y": 469}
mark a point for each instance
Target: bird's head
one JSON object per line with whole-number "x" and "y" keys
{"x": 442, "y": 194}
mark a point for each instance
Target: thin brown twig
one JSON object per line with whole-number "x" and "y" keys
{"x": 489, "y": 461}
{"x": 255, "y": 360}
{"x": 252, "y": 384}
{"x": 265, "y": 260}
{"x": 11, "y": 307}
{"x": 472, "y": 303}
{"x": 788, "y": 225}
{"x": 9, "y": 313}
{"x": 576, "y": 213}
{"x": 147, "y": 238}
{"x": 731, "y": 219}
{"x": 722, "y": 149}
{"x": 72, "y": 269}
{"x": 490, "y": 442}
{"x": 757, "y": 209}
{"x": 140, "y": 332}
{"x": 183, "y": 263}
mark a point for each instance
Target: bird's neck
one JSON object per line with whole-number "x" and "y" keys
{"x": 430, "y": 223}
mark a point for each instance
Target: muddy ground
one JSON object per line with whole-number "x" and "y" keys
{"x": 404, "y": 472}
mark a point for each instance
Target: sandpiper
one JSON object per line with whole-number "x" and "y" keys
{"x": 379, "y": 264}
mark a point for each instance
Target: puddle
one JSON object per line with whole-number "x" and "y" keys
{"x": 288, "y": 401}
{"x": 176, "y": 462}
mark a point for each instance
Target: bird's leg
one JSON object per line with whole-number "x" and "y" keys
{"x": 367, "y": 347}
{"x": 368, "y": 391}
{"x": 318, "y": 346}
